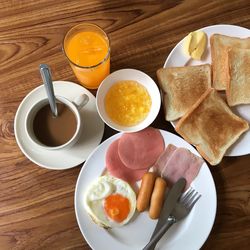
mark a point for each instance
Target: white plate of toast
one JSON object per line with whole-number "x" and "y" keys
{"x": 227, "y": 55}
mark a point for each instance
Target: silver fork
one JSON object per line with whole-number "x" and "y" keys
{"x": 181, "y": 210}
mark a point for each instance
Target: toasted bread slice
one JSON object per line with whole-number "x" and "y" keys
{"x": 182, "y": 87}
{"x": 219, "y": 47}
{"x": 238, "y": 76}
{"x": 211, "y": 126}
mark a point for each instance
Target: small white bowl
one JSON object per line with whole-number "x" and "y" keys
{"x": 135, "y": 75}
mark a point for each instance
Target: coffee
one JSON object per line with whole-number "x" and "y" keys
{"x": 54, "y": 131}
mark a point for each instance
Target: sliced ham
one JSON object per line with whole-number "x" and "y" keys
{"x": 163, "y": 158}
{"x": 116, "y": 168}
{"x": 140, "y": 150}
{"x": 182, "y": 163}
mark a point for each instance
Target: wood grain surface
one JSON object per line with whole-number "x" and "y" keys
{"x": 37, "y": 205}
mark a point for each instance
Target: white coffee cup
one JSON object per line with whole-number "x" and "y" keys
{"x": 75, "y": 106}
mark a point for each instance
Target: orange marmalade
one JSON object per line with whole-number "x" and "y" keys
{"x": 127, "y": 103}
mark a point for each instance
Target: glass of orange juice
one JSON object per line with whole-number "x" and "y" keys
{"x": 87, "y": 48}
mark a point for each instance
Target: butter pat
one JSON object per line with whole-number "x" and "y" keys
{"x": 195, "y": 44}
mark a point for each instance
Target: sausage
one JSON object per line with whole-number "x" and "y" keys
{"x": 157, "y": 198}
{"x": 145, "y": 191}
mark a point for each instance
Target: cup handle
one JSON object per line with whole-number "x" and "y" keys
{"x": 80, "y": 101}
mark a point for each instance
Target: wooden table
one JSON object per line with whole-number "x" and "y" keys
{"x": 37, "y": 205}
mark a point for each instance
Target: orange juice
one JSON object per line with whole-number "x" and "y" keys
{"x": 87, "y": 48}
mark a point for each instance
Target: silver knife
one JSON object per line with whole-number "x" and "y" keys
{"x": 170, "y": 201}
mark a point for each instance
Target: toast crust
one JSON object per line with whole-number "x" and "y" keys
{"x": 211, "y": 126}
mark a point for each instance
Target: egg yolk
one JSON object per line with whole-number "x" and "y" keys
{"x": 117, "y": 207}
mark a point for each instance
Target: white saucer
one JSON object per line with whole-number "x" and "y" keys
{"x": 93, "y": 128}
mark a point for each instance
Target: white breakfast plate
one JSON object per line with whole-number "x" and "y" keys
{"x": 189, "y": 234}
{"x": 178, "y": 58}
{"x": 93, "y": 128}
{"x": 135, "y": 75}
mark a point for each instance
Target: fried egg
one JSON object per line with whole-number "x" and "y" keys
{"x": 110, "y": 201}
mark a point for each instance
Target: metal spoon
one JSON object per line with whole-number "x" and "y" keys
{"x": 47, "y": 80}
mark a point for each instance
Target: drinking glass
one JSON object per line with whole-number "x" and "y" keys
{"x": 87, "y": 49}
